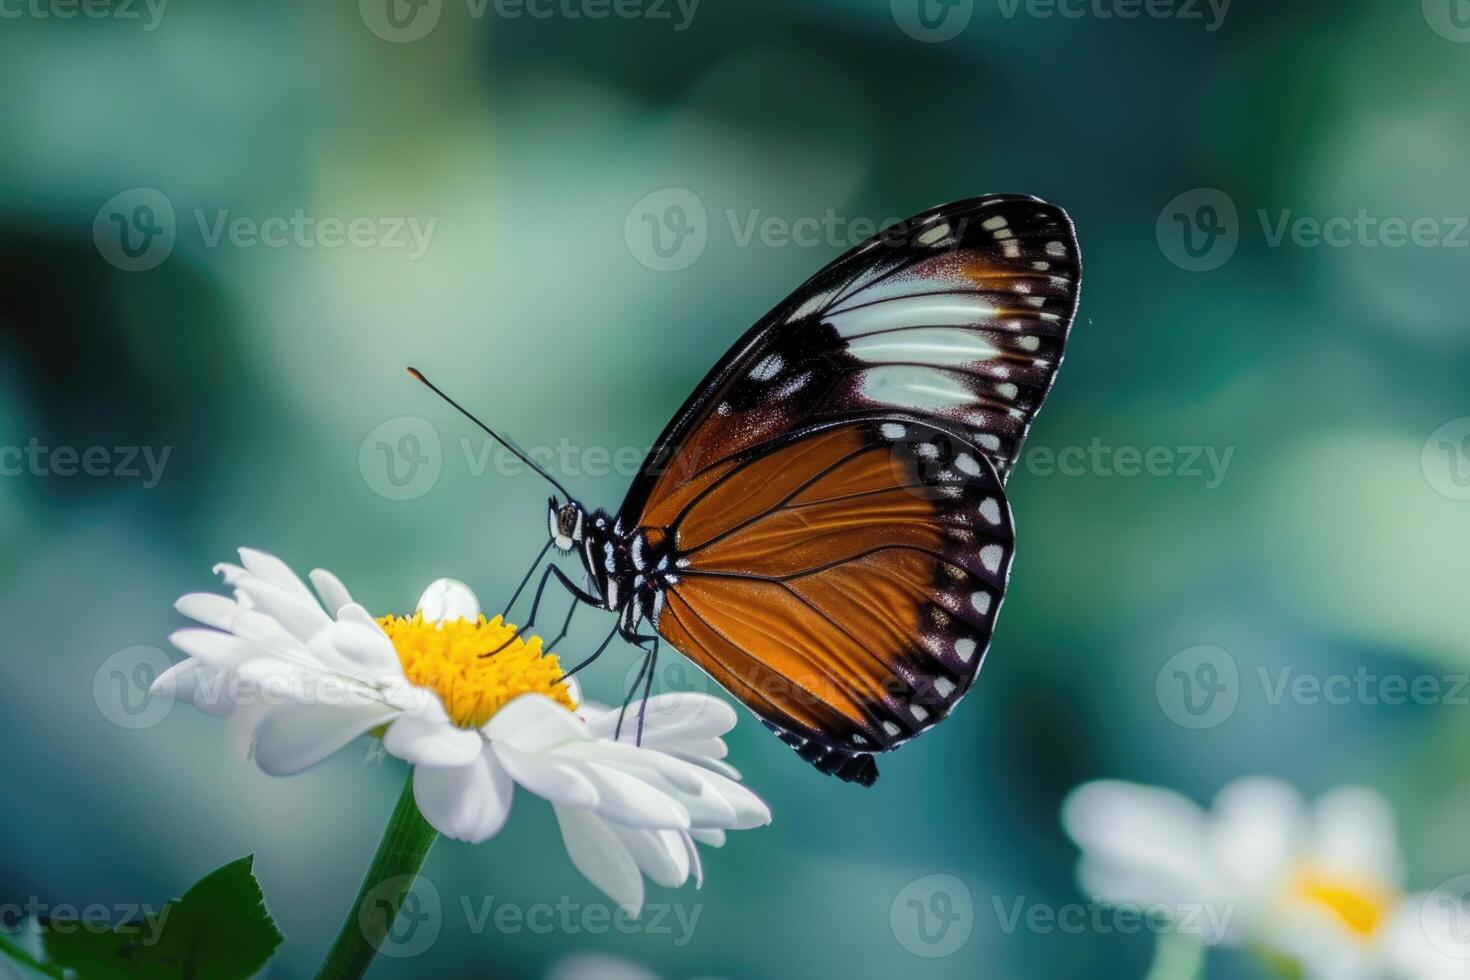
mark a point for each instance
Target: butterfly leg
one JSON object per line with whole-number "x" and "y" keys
{"x": 566, "y": 624}
{"x": 561, "y": 576}
{"x": 647, "y": 690}
{"x": 645, "y": 677}
{"x": 529, "y": 572}
{"x": 627, "y": 699}
{"x": 595, "y": 653}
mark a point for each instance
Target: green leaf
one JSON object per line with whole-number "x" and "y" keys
{"x": 219, "y": 930}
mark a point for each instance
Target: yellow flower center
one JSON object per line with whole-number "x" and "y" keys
{"x": 448, "y": 659}
{"x": 1360, "y": 905}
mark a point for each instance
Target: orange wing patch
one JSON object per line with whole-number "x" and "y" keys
{"x": 844, "y": 585}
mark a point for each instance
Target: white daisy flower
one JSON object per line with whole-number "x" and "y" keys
{"x": 303, "y": 675}
{"x": 1320, "y": 885}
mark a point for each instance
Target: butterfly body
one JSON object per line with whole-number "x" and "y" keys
{"x": 823, "y": 527}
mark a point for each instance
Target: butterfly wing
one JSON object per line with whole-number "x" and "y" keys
{"x": 837, "y": 581}
{"x": 959, "y": 315}
{"x": 843, "y": 582}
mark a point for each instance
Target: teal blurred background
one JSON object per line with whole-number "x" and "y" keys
{"x": 532, "y": 154}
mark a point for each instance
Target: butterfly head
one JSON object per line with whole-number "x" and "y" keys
{"x": 565, "y": 522}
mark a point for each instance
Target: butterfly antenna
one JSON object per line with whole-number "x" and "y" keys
{"x": 523, "y": 457}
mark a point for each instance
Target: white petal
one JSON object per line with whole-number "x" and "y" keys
{"x": 357, "y": 651}
{"x": 659, "y": 854}
{"x": 448, "y": 599}
{"x": 329, "y": 588}
{"x": 710, "y": 748}
{"x": 301, "y": 617}
{"x": 632, "y": 802}
{"x": 712, "y": 838}
{"x": 535, "y": 723}
{"x": 216, "y": 648}
{"x": 696, "y": 863}
{"x": 230, "y": 573}
{"x": 204, "y": 686}
{"x": 1357, "y": 836}
{"x": 642, "y": 763}
{"x": 212, "y": 610}
{"x": 750, "y": 810}
{"x": 294, "y": 737}
{"x": 555, "y": 781}
{"x": 674, "y": 716}
{"x": 1256, "y": 832}
{"x": 468, "y": 803}
{"x": 243, "y": 724}
{"x": 432, "y": 742}
{"x": 703, "y": 761}
{"x": 269, "y": 568}
{"x": 598, "y": 854}
{"x": 1140, "y": 843}
{"x": 353, "y": 613}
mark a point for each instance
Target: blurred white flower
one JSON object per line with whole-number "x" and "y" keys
{"x": 301, "y": 678}
{"x": 1321, "y": 885}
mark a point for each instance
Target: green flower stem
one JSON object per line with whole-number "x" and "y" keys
{"x": 21, "y": 956}
{"x": 400, "y": 855}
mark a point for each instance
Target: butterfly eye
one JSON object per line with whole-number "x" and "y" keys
{"x": 565, "y": 524}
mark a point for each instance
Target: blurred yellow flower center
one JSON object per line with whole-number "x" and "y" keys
{"x": 448, "y": 659}
{"x": 1361, "y": 906}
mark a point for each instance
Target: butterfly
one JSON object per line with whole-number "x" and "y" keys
{"x": 823, "y": 526}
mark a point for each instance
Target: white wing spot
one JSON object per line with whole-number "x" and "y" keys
{"x": 965, "y": 649}
{"x": 995, "y": 223}
{"x": 1007, "y": 391}
{"x": 990, "y": 510}
{"x": 724, "y": 408}
{"x": 768, "y": 368}
{"x": 893, "y": 730}
{"x": 919, "y": 712}
{"x": 812, "y": 305}
{"x": 990, "y": 557}
{"x": 1055, "y": 248}
{"x": 935, "y": 234}
{"x": 967, "y": 464}
{"x": 944, "y": 687}
{"x": 1041, "y": 266}
{"x": 1030, "y": 343}
{"x": 981, "y": 602}
{"x": 989, "y": 442}
{"x": 928, "y": 450}
{"x": 1036, "y": 301}
{"x": 892, "y": 430}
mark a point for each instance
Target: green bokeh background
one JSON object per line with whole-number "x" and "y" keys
{"x": 1334, "y": 542}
